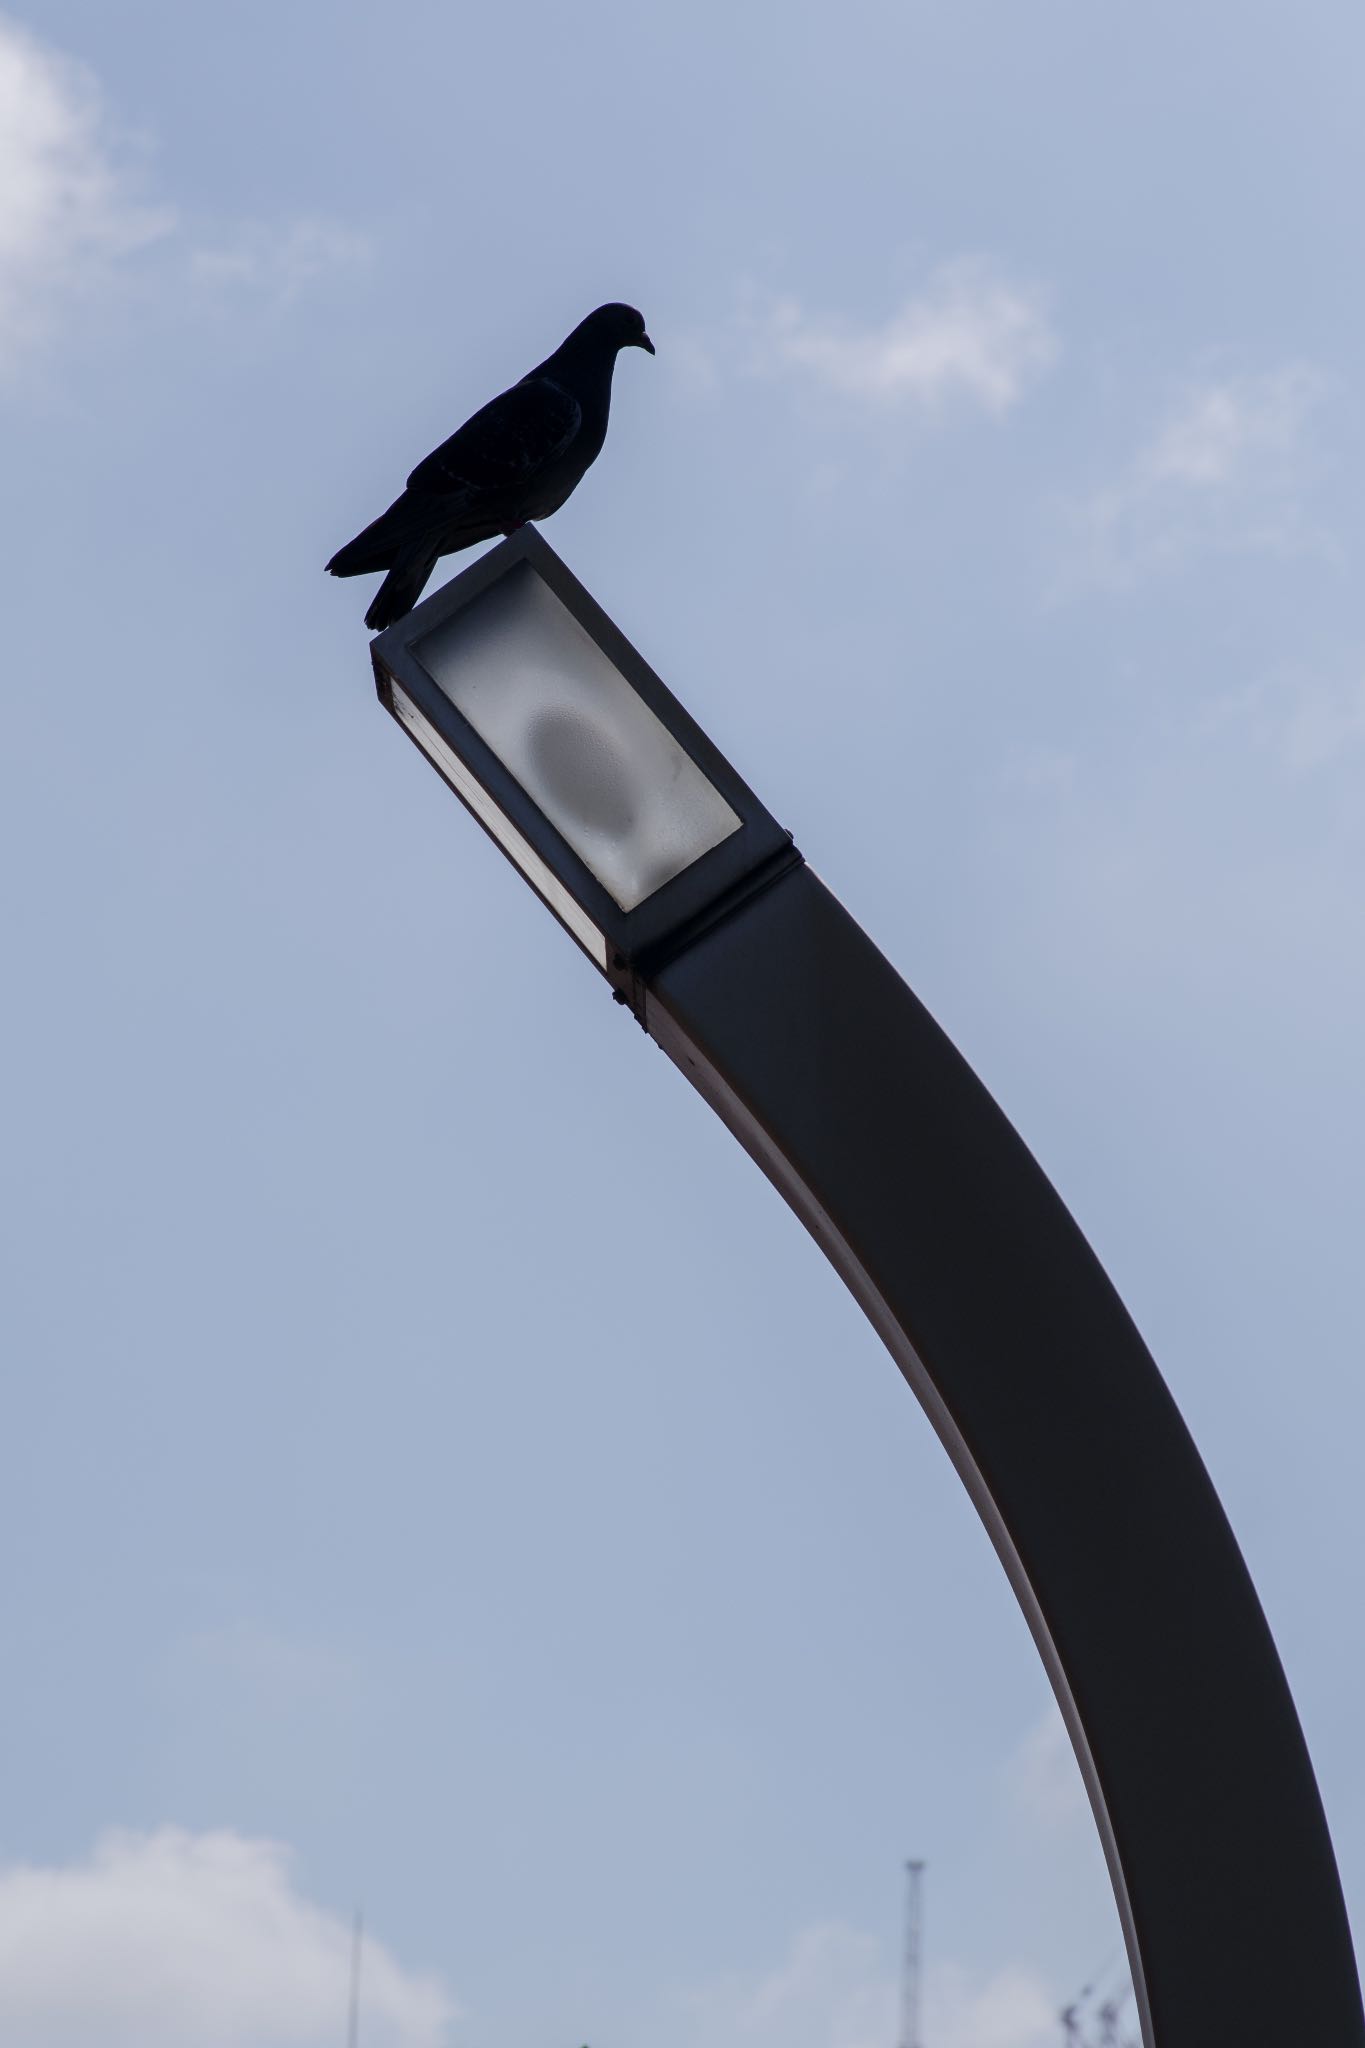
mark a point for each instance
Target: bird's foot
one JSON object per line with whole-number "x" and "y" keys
{"x": 515, "y": 527}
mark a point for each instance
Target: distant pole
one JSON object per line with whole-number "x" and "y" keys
{"x": 357, "y": 1934}
{"x": 910, "y": 1962}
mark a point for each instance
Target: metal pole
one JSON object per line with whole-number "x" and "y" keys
{"x": 357, "y": 1935}
{"x": 910, "y": 1962}
{"x": 811, "y": 1049}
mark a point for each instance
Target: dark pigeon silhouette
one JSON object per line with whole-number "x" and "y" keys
{"x": 517, "y": 459}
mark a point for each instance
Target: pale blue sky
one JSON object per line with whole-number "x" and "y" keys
{"x": 431, "y": 1448}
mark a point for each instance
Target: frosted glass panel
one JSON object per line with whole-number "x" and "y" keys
{"x": 539, "y": 691}
{"x": 506, "y": 834}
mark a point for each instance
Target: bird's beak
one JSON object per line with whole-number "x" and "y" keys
{"x": 645, "y": 342}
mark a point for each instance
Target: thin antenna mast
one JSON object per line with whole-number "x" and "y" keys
{"x": 353, "y": 2030}
{"x": 910, "y": 1966}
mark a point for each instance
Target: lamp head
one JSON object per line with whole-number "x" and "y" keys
{"x": 629, "y": 824}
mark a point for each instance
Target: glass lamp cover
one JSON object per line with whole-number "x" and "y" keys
{"x": 587, "y": 750}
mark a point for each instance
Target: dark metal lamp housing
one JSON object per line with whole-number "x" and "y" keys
{"x": 573, "y": 755}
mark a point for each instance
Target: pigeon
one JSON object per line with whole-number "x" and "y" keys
{"x": 516, "y": 459}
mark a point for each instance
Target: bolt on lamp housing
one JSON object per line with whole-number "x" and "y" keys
{"x": 571, "y": 753}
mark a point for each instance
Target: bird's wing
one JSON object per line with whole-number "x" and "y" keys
{"x": 505, "y": 444}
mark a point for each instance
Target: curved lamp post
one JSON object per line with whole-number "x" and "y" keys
{"x": 699, "y": 911}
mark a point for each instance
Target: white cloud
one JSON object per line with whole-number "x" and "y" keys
{"x": 1321, "y": 723}
{"x": 1011, "y": 2009}
{"x": 72, "y": 212}
{"x": 280, "y": 257}
{"x": 1221, "y": 430}
{"x": 176, "y": 1940}
{"x": 829, "y": 1992}
{"x": 68, "y": 207}
{"x": 1304, "y": 723}
{"x": 968, "y": 337}
{"x": 1043, "y": 1777}
{"x": 833, "y": 1990}
{"x": 1227, "y": 470}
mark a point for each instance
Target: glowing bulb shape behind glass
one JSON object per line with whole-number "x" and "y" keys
{"x": 610, "y": 778}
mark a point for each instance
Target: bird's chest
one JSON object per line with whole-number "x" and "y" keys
{"x": 561, "y": 475}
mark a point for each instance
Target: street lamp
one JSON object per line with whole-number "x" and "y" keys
{"x": 696, "y": 906}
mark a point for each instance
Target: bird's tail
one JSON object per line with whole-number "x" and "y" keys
{"x": 401, "y": 588}
{"x": 377, "y": 547}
